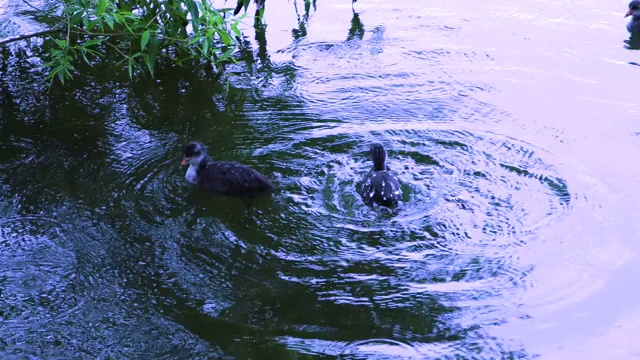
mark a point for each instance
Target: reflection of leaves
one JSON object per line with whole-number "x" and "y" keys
{"x": 307, "y": 8}
{"x": 356, "y": 31}
{"x": 300, "y": 32}
{"x": 242, "y": 4}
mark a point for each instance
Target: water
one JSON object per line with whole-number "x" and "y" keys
{"x": 512, "y": 129}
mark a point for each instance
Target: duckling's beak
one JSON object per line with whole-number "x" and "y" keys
{"x": 629, "y": 13}
{"x": 184, "y": 161}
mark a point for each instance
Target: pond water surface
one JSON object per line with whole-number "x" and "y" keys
{"x": 513, "y": 127}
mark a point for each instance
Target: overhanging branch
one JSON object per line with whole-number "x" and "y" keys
{"x": 28, "y": 36}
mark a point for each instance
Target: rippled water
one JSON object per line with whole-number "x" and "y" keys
{"x": 512, "y": 130}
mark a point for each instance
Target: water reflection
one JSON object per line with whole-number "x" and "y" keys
{"x": 307, "y": 7}
{"x": 506, "y": 235}
{"x": 357, "y": 28}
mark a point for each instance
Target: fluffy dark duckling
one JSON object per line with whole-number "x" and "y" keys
{"x": 634, "y": 11}
{"x": 223, "y": 177}
{"x": 379, "y": 186}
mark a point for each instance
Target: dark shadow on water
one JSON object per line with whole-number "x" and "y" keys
{"x": 237, "y": 209}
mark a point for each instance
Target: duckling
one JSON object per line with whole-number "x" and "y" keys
{"x": 379, "y": 186}
{"x": 219, "y": 176}
{"x": 633, "y": 26}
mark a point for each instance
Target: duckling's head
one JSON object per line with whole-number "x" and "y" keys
{"x": 194, "y": 153}
{"x": 378, "y": 156}
{"x": 634, "y": 9}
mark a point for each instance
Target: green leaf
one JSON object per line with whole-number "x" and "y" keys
{"x": 130, "y": 68}
{"x": 101, "y": 7}
{"x": 84, "y": 57}
{"x": 205, "y": 46}
{"x": 217, "y": 18}
{"x": 122, "y": 17}
{"x": 144, "y": 39}
{"x": 195, "y": 14}
{"x": 92, "y": 52}
{"x": 93, "y": 42}
{"x": 60, "y": 75}
{"x": 127, "y": 26}
{"x": 234, "y": 28}
{"x": 75, "y": 18}
{"x": 226, "y": 54}
{"x": 149, "y": 62}
{"x": 53, "y": 72}
{"x": 224, "y": 36}
{"x": 109, "y": 19}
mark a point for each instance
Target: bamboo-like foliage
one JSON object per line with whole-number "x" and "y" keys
{"x": 140, "y": 31}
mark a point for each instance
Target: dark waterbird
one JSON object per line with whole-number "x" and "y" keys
{"x": 633, "y": 26}
{"x": 220, "y": 176}
{"x": 380, "y": 187}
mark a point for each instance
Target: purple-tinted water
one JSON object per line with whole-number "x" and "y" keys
{"x": 513, "y": 128}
